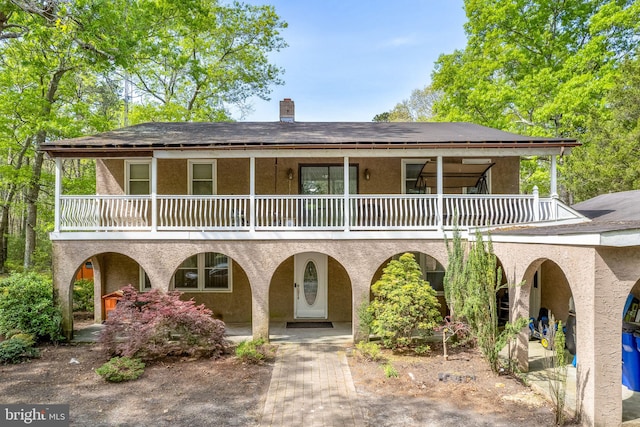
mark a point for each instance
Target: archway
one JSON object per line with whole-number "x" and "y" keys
{"x": 432, "y": 271}
{"x": 298, "y": 283}
{"x": 83, "y": 296}
{"x": 550, "y": 296}
{"x": 631, "y": 355}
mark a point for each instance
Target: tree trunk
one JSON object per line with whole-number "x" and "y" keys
{"x": 33, "y": 192}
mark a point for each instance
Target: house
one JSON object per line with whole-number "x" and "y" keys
{"x": 278, "y": 221}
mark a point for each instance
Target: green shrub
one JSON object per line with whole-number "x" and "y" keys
{"x": 405, "y": 307}
{"x": 26, "y": 305}
{"x": 120, "y": 369}
{"x": 389, "y": 370}
{"x": 254, "y": 351}
{"x": 370, "y": 350}
{"x": 83, "y": 295}
{"x": 17, "y": 348}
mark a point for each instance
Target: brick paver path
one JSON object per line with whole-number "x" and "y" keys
{"x": 311, "y": 386}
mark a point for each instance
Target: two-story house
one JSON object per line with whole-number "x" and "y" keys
{"x": 273, "y": 222}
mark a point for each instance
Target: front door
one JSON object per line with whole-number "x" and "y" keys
{"x": 310, "y": 286}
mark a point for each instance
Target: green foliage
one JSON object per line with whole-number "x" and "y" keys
{"x": 473, "y": 284}
{"x": 454, "y": 280}
{"x": 370, "y": 351}
{"x": 17, "y": 348}
{"x": 405, "y": 307}
{"x": 83, "y": 295}
{"x": 389, "y": 370}
{"x": 26, "y": 304}
{"x": 608, "y": 160}
{"x": 254, "y": 351}
{"x": 544, "y": 69}
{"x": 119, "y": 369}
{"x": 365, "y": 317}
{"x": 556, "y": 364}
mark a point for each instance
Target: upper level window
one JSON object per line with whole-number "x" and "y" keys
{"x": 137, "y": 177}
{"x": 411, "y": 184}
{"x": 202, "y": 178}
{"x": 327, "y": 179}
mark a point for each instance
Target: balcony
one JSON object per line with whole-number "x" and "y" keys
{"x": 289, "y": 213}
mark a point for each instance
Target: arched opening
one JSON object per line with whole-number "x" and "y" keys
{"x": 83, "y": 296}
{"x": 631, "y": 355}
{"x": 549, "y": 294}
{"x": 308, "y": 288}
{"x": 217, "y": 281}
{"x": 108, "y": 272}
{"x": 432, "y": 271}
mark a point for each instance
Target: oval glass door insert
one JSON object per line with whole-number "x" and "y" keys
{"x": 310, "y": 283}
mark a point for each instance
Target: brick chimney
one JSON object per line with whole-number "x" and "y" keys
{"x": 287, "y": 111}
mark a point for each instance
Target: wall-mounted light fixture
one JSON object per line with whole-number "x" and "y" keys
{"x": 367, "y": 174}
{"x": 290, "y": 174}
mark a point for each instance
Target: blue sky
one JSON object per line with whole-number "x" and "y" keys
{"x": 350, "y": 60}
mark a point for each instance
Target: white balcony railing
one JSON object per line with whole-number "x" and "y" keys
{"x": 304, "y": 212}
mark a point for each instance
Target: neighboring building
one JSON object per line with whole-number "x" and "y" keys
{"x": 271, "y": 222}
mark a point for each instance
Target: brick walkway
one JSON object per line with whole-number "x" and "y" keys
{"x": 311, "y": 386}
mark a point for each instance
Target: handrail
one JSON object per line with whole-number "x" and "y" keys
{"x": 366, "y": 212}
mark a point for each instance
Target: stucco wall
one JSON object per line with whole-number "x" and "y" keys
{"x": 233, "y": 307}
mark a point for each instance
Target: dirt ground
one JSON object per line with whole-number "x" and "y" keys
{"x": 225, "y": 392}
{"x": 431, "y": 391}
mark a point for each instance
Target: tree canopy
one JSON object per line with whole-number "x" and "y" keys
{"x": 63, "y": 67}
{"x": 546, "y": 68}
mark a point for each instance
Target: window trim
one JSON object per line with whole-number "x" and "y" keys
{"x": 142, "y": 278}
{"x": 201, "y": 267}
{"x": 403, "y": 182}
{"x": 127, "y": 173}
{"x": 356, "y": 175}
{"x": 214, "y": 177}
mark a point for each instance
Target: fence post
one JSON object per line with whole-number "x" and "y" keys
{"x": 536, "y": 204}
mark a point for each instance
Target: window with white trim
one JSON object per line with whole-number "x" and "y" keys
{"x": 202, "y": 177}
{"x": 137, "y": 177}
{"x": 410, "y": 173}
{"x": 210, "y": 271}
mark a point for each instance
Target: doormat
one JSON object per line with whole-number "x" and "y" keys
{"x": 309, "y": 325}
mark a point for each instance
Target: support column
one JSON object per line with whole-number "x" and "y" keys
{"x": 58, "y": 193}
{"x": 554, "y": 178}
{"x": 154, "y": 194}
{"x": 260, "y": 311}
{"x": 252, "y": 194}
{"x": 440, "y": 190}
{"x": 346, "y": 194}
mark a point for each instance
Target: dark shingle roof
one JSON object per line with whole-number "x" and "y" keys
{"x": 243, "y": 135}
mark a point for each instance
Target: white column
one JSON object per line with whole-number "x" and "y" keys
{"x": 154, "y": 194}
{"x": 346, "y": 194}
{"x": 536, "y": 204}
{"x": 554, "y": 177}
{"x": 252, "y": 194}
{"x": 58, "y": 193}
{"x": 440, "y": 190}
